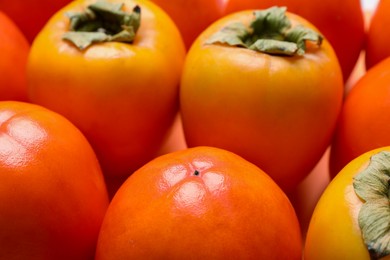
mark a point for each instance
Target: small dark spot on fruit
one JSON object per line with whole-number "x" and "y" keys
{"x": 196, "y": 173}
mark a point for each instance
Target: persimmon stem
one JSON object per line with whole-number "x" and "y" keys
{"x": 270, "y": 32}
{"x": 102, "y": 22}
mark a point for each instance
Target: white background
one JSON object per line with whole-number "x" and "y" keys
{"x": 369, "y": 4}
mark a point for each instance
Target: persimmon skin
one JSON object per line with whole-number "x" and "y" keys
{"x": 378, "y": 40}
{"x": 52, "y": 195}
{"x": 334, "y": 231}
{"x": 29, "y": 15}
{"x": 123, "y": 97}
{"x": 201, "y": 203}
{"x": 277, "y": 112}
{"x": 14, "y": 50}
{"x": 362, "y": 125}
{"x": 341, "y": 22}
{"x": 192, "y": 16}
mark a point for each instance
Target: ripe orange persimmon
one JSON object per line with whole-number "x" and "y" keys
{"x": 52, "y": 192}
{"x": 14, "y": 50}
{"x": 199, "y": 203}
{"x": 378, "y": 39}
{"x": 363, "y": 123}
{"x": 351, "y": 219}
{"x": 121, "y": 90}
{"x": 276, "y": 109}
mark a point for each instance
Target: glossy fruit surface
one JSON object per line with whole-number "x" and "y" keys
{"x": 363, "y": 123}
{"x": 29, "y": 15}
{"x": 378, "y": 40}
{"x": 335, "y": 231}
{"x": 276, "y": 111}
{"x": 123, "y": 96}
{"x": 200, "y": 203}
{"x": 14, "y": 50}
{"x": 341, "y": 22}
{"x": 52, "y": 193}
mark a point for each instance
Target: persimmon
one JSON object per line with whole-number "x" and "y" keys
{"x": 30, "y": 15}
{"x": 351, "y": 219}
{"x": 378, "y": 40}
{"x": 14, "y": 50}
{"x": 363, "y": 123}
{"x": 341, "y": 22}
{"x": 192, "y": 16}
{"x": 52, "y": 194}
{"x": 118, "y": 83}
{"x": 264, "y": 98}
{"x": 199, "y": 203}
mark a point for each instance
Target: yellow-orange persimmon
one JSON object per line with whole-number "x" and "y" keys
{"x": 274, "y": 108}
{"x": 351, "y": 219}
{"x": 121, "y": 93}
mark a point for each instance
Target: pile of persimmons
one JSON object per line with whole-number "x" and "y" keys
{"x": 182, "y": 129}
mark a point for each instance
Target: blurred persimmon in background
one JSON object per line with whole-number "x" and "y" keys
{"x": 30, "y": 15}
{"x": 14, "y": 50}
{"x": 192, "y": 16}
{"x": 378, "y": 37}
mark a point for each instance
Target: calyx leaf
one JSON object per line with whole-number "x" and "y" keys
{"x": 270, "y": 32}
{"x": 102, "y": 22}
{"x": 232, "y": 35}
{"x": 372, "y": 186}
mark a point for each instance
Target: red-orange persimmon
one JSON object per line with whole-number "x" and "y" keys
{"x": 378, "y": 40}
{"x": 30, "y": 15}
{"x": 363, "y": 123}
{"x": 199, "y": 203}
{"x": 14, "y": 50}
{"x": 192, "y": 16}
{"x": 52, "y": 193}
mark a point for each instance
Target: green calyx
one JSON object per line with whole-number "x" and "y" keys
{"x": 269, "y": 32}
{"x": 102, "y": 22}
{"x": 372, "y": 185}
